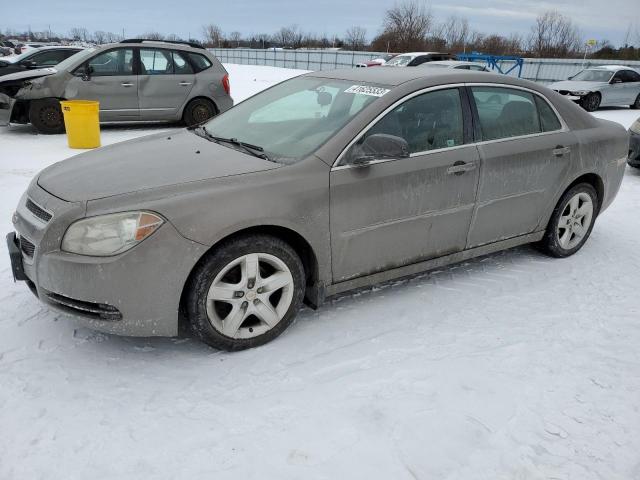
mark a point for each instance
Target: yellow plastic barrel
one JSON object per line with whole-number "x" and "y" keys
{"x": 82, "y": 123}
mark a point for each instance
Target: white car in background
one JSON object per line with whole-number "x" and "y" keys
{"x": 457, "y": 64}
{"x": 414, "y": 59}
{"x": 602, "y": 86}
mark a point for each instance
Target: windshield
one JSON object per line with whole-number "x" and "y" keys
{"x": 73, "y": 60}
{"x": 399, "y": 61}
{"x": 592, "y": 76}
{"x": 294, "y": 118}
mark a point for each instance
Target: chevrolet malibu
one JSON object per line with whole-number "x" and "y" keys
{"x": 324, "y": 183}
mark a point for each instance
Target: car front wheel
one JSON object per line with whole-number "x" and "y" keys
{"x": 246, "y": 292}
{"x": 571, "y": 222}
{"x": 591, "y": 102}
{"x": 46, "y": 116}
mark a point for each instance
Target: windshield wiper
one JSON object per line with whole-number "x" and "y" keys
{"x": 255, "y": 150}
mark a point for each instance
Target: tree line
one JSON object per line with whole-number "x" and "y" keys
{"x": 407, "y": 26}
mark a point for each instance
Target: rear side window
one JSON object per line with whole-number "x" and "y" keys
{"x": 630, "y": 76}
{"x": 155, "y": 62}
{"x": 548, "y": 120}
{"x": 200, "y": 62}
{"x": 182, "y": 66}
{"x": 505, "y": 112}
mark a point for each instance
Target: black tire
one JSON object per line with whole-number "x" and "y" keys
{"x": 591, "y": 102}
{"x": 636, "y": 105}
{"x": 213, "y": 263}
{"x": 198, "y": 110}
{"x": 46, "y": 116}
{"x": 550, "y": 243}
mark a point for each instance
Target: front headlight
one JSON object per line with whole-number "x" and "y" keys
{"x": 108, "y": 235}
{"x": 580, "y": 93}
{"x": 635, "y": 127}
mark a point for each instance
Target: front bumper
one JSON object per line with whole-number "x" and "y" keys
{"x": 6, "y": 107}
{"x": 634, "y": 149}
{"x": 136, "y": 293}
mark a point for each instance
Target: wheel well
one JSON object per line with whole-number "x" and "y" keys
{"x": 294, "y": 239}
{"x": 595, "y": 181}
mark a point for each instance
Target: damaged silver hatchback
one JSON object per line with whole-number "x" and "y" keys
{"x": 324, "y": 183}
{"x": 134, "y": 80}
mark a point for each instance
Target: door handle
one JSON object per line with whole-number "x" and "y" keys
{"x": 459, "y": 168}
{"x": 560, "y": 150}
{"x": 127, "y": 84}
{"x": 184, "y": 84}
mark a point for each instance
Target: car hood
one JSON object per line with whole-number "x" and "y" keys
{"x": 149, "y": 162}
{"x": 574, "y": 85}
{"x": 29, "y": 74}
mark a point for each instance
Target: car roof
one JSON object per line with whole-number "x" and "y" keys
{"x": 60, "y": 47}
{"x": 415, "y": 54}
{"x": 610, "y": 67}
{"x": 397, "y": 76}
{"x": 154, "y": 43}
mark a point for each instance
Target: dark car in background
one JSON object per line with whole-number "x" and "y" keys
{"x": 634, "y": 144}
{"x": 6, "y": 48}
{"x": 42, "y": 57}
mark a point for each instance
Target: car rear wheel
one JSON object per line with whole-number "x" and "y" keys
{"x": 245, "y": 293}
{"x": 591, "y": 102}
{"x": 571, "y": 222}
{"x": 198, "y": 110}
{"x": 46, "y": 116}
{"x": 636, "y": 104}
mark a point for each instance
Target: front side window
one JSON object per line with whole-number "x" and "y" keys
{"x": 429, "y": 121}
{"x": 113, "y": 62}
{"x": 49, "y": 57}
{"x": 505, "y": 112}
{"x": 155, "y": 62}
{"x": 294, "y": 118}
{"x": 592, "y": 76}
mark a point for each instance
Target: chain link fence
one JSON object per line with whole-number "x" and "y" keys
{"x": 543, "y": 70}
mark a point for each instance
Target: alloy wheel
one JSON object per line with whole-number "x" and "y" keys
{"x": 250, "y": 295}
{"x": 575, "y": 220}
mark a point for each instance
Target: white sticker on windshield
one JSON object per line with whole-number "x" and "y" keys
{"x": 366, "y": 90}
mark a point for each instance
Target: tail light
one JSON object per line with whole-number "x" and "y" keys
{"x": 226, "y": 85}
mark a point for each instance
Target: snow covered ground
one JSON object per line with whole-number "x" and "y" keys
{"x": 512, "y": 366}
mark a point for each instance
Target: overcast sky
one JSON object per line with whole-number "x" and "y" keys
{"x": 598, "y": 19}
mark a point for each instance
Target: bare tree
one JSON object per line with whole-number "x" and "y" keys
{"x": 554, "y": 35}
{"x": 212, "y": 35}
{"x": 173, "y": 37}
{"x": 407, "y": 25}
{"x": 153, "y": 36}
{"x": 455, "y": 32}
{"x": 235, "y": 37}
{"x": 79, "y": 34}
{"x": 100, "y": 37}
{"x": 289, "y": 37}
{"x": 355, "y": 38}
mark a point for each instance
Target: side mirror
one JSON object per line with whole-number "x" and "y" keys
{"x": 29, "y": 64}
{"x": 86, "y": 74}
{"x": 379, "y": 146}
{"x": 616, "y": 80}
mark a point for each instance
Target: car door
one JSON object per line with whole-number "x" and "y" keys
{"x": 165, "y": 81}
{"x": 526, "y": 154}
{"x": 631, "y": 83}
{"x": 390, "y": 212}
{"x": 108, "y": 77}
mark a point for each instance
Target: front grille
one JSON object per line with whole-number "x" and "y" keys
{"x": 99, "y": 311}
{"x": 27, "y": 247}
{"x": 38, "y": 211}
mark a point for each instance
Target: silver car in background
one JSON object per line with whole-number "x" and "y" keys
{"x": 134, "y": 80}
{"x": 327, "y": 182}
{"x": 604, "y": 86}
{"x": 457, "y": 64}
